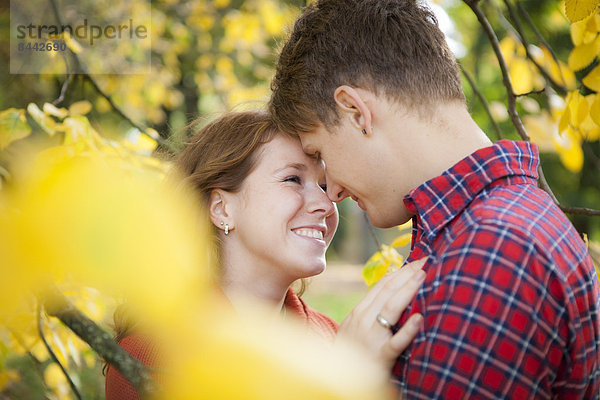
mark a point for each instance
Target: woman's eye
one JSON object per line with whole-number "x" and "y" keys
{"x": 294, "y": 179}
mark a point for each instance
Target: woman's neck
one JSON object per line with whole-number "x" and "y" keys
{"x": 241, "y": 296}
{"x": 242, "y": 281}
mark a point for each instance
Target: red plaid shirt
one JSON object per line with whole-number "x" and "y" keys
{"x": 511, "y": 297}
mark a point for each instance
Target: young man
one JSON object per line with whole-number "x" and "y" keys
{"x": 510, "y": 302}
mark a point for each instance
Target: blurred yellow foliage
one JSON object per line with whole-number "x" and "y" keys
{"x": 91, "y": 212}
{"x": 224, "y": 356}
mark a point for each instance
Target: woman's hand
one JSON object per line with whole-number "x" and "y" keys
{"x": 386, "y": 300}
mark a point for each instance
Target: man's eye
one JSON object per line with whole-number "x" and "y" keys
{"x": 294, "y": 179}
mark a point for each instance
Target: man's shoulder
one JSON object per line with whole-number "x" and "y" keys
{"x": 525, "y": 210}
{"x": 524, "y": 216}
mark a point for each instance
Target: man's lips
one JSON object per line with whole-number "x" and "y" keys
{"x": 360, "y": 204}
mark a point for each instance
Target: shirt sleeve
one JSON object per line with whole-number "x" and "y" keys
{"x": 116, "y": 387}
{"x": 496, "y": 324}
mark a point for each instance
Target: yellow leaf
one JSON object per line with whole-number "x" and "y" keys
{"x": 569, "y": 150}
{"x": 583, "y": 55}
{"x": 51, "y": 109}
{"x": 589, "y": 129}
{"x": 578, "y": 30}
{"x": 577, "y": 10}
{"x": 7, "y": 377}
{"x": 53, "y": 376}
{"x": 13, "y": 126}
{"x": 406, "y": 225}
{"x": 507, "y": 48}
{"x": 80, "y": 107}
{"x": 372, "y": 270}
{"x": 593, "y": 23}
{"x": 402, "y": 240}
{"x": 392, "y": 257}
{"x": 222, "y": 3}
{"x": 565, "y": 120}
{"x": 71, "y": 43}
{"x": 592, "y": 80}
{"x": 595, "y": 110}
{"x": 579, "y": 108}
{"x": 44, "y": 121}
{"x": 541, "y": 129}
{"x": 521, "y": 76}
{"x": 101, "y": 224}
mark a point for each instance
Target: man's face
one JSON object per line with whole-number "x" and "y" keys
{"x": 355, "y": 168}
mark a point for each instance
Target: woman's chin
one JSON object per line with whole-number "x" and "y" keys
{"x": 308, "y": 270}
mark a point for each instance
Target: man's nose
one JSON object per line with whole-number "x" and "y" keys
{"x": 336, "y": 192}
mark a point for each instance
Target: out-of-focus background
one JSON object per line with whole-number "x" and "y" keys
{"x": 204, "y": 57}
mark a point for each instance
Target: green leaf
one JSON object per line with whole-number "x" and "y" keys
{"x": 13, "y": 126}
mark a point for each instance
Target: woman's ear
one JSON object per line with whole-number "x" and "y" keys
{"x": 219, "y": 209}
{"x": 351, "y": 102}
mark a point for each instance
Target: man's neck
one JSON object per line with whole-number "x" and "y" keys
{"x": 440, "y": 140}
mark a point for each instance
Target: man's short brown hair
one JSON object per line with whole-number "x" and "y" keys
{"x": 393, "y": 48}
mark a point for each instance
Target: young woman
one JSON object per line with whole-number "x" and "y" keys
{"x": 272, "y": 222}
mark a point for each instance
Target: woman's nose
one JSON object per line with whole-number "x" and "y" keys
{"x": 321, "y": 202}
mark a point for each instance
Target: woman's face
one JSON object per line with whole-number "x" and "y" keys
{"x": 283, "y": 218}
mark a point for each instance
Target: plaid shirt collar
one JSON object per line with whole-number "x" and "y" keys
{"x": 436, "y": 202}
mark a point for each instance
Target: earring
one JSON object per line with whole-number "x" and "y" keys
{"x": 364, "y": 131}
{"x": 226, "y": 227}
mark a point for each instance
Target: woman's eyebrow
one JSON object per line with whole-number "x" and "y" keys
{"x": 298, "y": 166}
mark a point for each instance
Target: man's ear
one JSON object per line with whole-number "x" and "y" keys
{"x": 219, "y": 209}
{"x": 350, "y": 102}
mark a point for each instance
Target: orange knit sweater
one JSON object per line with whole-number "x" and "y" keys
{"x": 118, "y": 388}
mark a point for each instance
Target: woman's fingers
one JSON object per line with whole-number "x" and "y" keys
{"x": 398, "y": 301}
{"x": 387, "y": 300}
{"x": 387, "y": 286}
{"x": 401, "y": 339}
{"x": 402, "y": 285}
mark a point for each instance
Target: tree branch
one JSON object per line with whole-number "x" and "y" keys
{"x": 52, "y": 354}
{"x": 511, "y": 97}
{"x": 512, "y": 109}
{"x": 580, "y": 211}
{"x": 100, "y": 341}
{"x": 482, "y": 99}
{"x": 78, "y": 69}
{"x": 560, "y": 89}
{"x": 64, "y": 89}
{"x": 539, "y": 36}
{"x": 372, "y": 231}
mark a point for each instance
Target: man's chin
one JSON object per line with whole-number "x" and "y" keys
{"x": 388, "y": 220}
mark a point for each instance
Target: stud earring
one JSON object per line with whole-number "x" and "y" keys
{"x": 364, "y": 131}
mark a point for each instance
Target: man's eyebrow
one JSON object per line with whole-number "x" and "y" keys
{"x": 312, "y": 154}
{"x": 298, "y": 166}
{"x": 315, "y": 155}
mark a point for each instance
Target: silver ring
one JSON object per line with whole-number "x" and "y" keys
{"x": 383, "y": 322}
